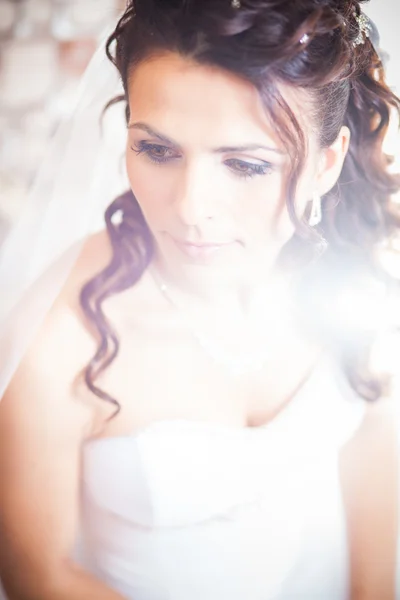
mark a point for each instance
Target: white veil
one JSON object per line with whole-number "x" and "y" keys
{"x": 83, "y": 171}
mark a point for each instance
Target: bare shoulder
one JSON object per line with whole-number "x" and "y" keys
{"x": 62, "y": 346}
{"x": 94, "y": 256}
{"x": 378, "y": 433}
{"x": 380, "y": 419}
{"x": 369, "y": 467}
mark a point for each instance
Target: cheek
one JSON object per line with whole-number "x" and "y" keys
{"x": 149, "y": 185}
{"x": 281, "y": 227}
{"x": 264, "y": 213}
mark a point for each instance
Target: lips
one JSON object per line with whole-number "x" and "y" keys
{"x": 202, "y": 244}
{"x": 198, "y": 250}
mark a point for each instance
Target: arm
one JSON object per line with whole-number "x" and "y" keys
{"x": 369, "y": 469}
{"x": 42, "y": 428}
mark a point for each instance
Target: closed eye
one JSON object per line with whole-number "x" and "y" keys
{"x": 160, "y": 154}
{"x": 155, "y": 152}
{"x": 245, "y": 169}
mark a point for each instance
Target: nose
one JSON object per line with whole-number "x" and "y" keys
{"x": 194, "y": 200}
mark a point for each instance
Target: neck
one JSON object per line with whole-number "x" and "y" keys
{"x": 257, "y": 291}
{"x": 240, "y": 325}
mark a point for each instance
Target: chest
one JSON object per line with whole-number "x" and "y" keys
{"x": 164, "y": 374}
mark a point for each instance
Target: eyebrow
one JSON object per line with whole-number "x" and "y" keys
{"x": 222, "y": 150}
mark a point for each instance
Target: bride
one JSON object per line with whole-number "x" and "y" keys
{"x": 190, "y": 419}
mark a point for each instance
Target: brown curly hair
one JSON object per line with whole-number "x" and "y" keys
{"x": 308, "y": 44}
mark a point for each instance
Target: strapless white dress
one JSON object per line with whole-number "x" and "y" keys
{"x": 187, "y": 510}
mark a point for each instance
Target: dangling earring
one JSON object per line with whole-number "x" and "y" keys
{"x": 316, "y": 210}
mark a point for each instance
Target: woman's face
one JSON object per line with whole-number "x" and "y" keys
{"x": 207, "y": 169}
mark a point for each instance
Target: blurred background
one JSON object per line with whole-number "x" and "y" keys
{"x": 45, "y": 46}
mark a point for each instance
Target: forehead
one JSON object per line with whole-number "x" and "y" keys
{"x": 193, "y": 102}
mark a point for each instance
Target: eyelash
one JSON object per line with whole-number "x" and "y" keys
{"x": 146, "y": 148}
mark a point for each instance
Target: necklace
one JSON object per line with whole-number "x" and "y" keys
{"x": 243, "y": 363}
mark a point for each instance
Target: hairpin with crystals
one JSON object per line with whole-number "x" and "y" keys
{"x": 363, "y": 22}
{"x": 364, "y": 28}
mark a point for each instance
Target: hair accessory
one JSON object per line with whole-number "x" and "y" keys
{"x": 236, "y": 4}
{"x": 304, "y": 38}
{"x": 364, "y": 30}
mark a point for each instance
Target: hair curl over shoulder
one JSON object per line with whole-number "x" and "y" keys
{"x": 264, "y": 42}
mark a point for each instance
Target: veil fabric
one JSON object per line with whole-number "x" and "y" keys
{"x": 83, "y": 171}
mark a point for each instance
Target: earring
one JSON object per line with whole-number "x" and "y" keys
{"x": 316, "y": 210}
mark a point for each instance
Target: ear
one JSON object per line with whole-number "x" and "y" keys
{"x": 331, "y": 163}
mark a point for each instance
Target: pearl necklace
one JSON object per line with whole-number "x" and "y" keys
{"x": 244, "y": 364}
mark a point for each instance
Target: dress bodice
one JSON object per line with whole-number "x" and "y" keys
{"x": 206, "y": 511}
